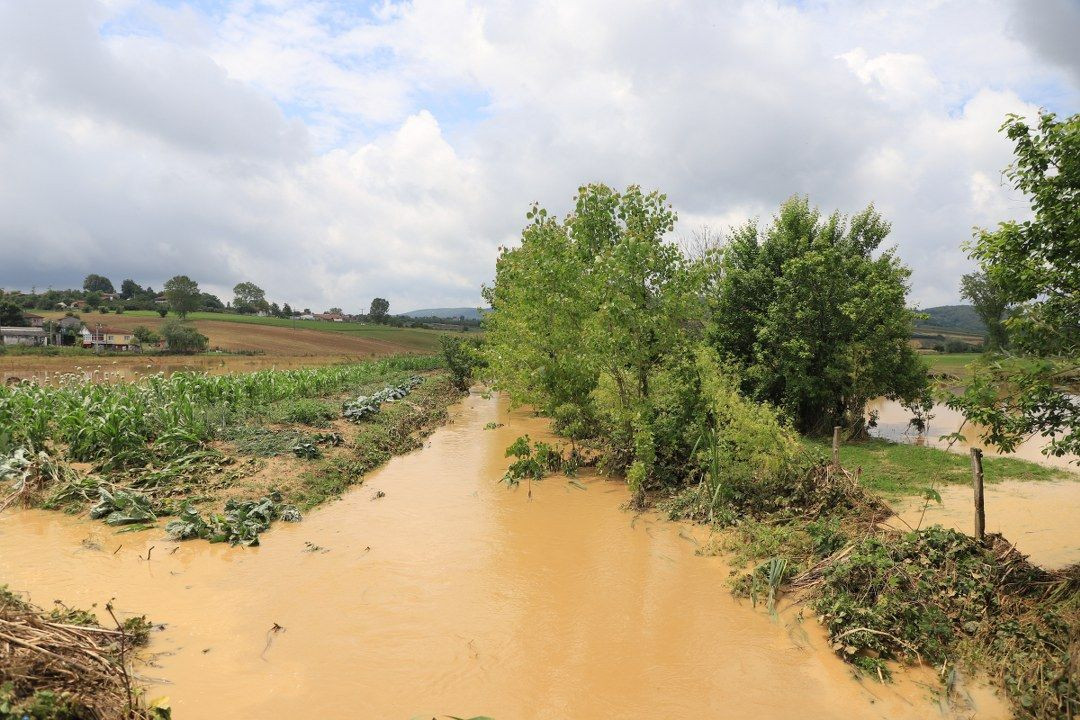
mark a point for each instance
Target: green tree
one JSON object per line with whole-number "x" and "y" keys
{"x": 130, "y": 289}
{"x": 818, "y": 325}
{"x": 286, "y": 311}
{"x": 183, "y": 338}
{"x": 182, "y": 295}
{"x": 11, "y": 315}
{"x": 249, "y": 298}
{"x": 586, "y": 315}
{"x": 145, "y": 335}
{"x": 98, "y": 283}
{"x": 990, "y": 303}
{"x": 379, "y": 308}
{"x": 1036, "y": 263}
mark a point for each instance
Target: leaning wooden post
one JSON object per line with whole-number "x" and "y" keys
{"x": 836, "y": 446}
{"x": 977, "y": 481}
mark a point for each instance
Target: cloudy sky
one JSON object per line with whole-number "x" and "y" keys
{"x": 335, "y": 150}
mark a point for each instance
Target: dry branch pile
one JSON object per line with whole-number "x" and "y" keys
{"x": 55, "y": 669}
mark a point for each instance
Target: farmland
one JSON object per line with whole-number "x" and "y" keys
{"x": 249, "y": 343}
{"x": 171, "y": 444}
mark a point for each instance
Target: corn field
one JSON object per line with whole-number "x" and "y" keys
{"x": 125, "y": 425}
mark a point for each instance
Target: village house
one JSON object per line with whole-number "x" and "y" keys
{"x": 109, "y": 338}
{"x": 34, "y": 320}
{"x": 330, "y": 317}
{"x": 32, "y": 336}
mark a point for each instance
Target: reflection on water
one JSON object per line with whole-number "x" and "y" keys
{"x": 893, "y": 419}
{"x": 454, "y": 595}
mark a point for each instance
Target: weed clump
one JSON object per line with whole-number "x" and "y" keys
{"x": 240, "y": 524}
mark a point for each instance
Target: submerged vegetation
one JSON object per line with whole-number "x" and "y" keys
{"x": 704, "y": 380}
{"x": 178, "y": 445}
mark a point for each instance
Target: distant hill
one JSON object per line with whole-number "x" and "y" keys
{"x": 953, "y": 317}
{"x": 469, "y": 313}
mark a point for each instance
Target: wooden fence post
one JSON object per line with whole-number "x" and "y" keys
{"x": 977, "y": 481}
{"x": 836, "y": 446}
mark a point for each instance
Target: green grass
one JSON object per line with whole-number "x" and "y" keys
{"x": 952, "y": 363}
{"x": 895, "y": 469}
{"x": 417, "y": 338}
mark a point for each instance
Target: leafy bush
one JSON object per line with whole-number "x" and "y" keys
{"x": 182, "y": 338}
{"x": 462, "y": 357}
{"x": 145, "y": 335}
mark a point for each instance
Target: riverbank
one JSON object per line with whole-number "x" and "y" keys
{"x": 225, "y": 456}
{"x": 895, "y": 590}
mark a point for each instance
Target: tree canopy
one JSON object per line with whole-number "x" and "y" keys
{"x": 181, "y": 337}
{"x": 1036, "y": 264}
{"x": 990, "y": 302}
{"x": 379, "y": 308}
{"x": 130, "y": 289}
{"x": 249, "y": 298}
{"x": 182, "y": 294}
{"x": 98, "y": 283}
{"x": 11, "y": 315}
{"x": 816, "y": 323}
{"x": 601, "y": 322}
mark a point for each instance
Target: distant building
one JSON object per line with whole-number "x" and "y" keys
{"x": 330, "y": 317}
{"x": 109, "y": 339}
{"x": 34, "y": 320}
{"x": 31, "y": 336}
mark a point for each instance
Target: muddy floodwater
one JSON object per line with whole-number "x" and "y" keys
{"x": 453, "y": 595}
{"x": 893, "y": 419}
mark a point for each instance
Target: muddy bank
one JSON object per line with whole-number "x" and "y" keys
{"x": 452, "y": 594}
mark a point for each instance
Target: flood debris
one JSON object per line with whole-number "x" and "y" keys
{"x": 930, "y": 596}
{"x": 274, "y": 629}
{"x": 62, "y": 664}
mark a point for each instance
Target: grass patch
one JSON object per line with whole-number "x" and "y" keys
{"x": 957, "y": 364}
{"x": 896, "y": 469}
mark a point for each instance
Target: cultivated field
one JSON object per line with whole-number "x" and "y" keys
{"x": 274, "y": 342}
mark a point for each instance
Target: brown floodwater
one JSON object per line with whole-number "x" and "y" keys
{"x": 892, "y": 424}
{"x": 455, "y": 595}
{"x": 1038, "y": 517}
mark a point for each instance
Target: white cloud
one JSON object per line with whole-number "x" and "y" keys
{"x": 332, "y": 155}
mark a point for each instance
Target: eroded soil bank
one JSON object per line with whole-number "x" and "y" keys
{"x": 452, "y": 594}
